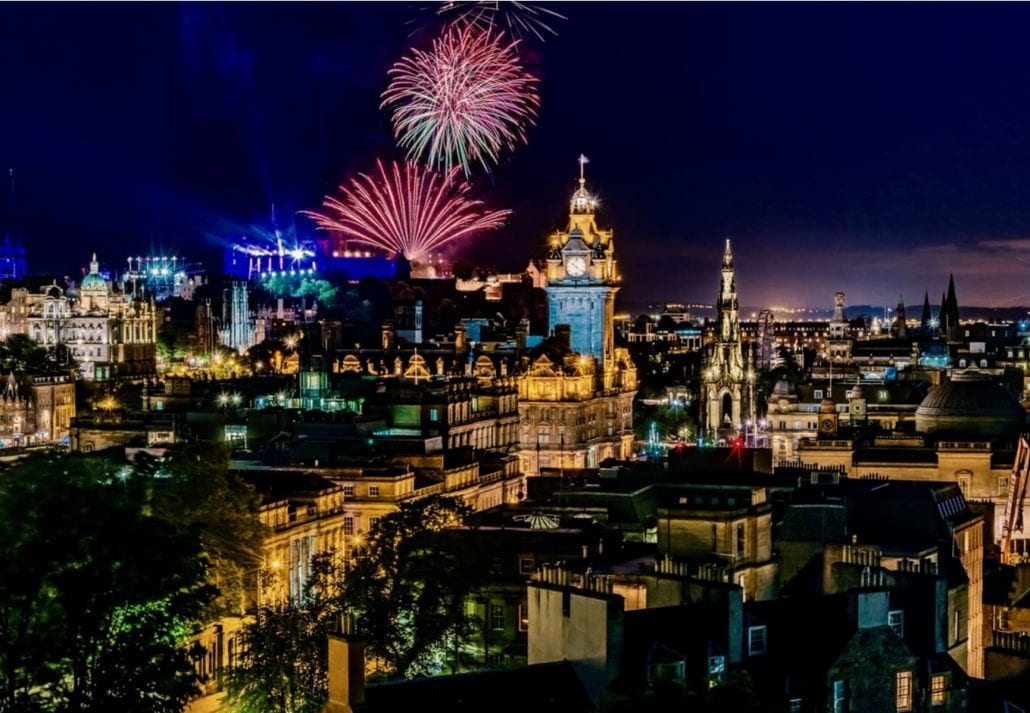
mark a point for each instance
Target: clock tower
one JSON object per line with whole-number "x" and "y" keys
{"x": 582, "y": 278}
{"x": 576, "y": 387}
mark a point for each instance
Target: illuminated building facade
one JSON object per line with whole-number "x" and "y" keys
{"x": 35, "y": 409}
{"x": 576, "y": 388}
{"x": 107, "y": 332}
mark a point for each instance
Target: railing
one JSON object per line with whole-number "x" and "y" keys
{"x": 964, "y": 446}
{"x": 1018, "y": 641}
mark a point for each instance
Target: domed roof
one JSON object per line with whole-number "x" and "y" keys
{"x": 971, "y": 401}
{"x": 93, "y": 280}
{"x": 783, "y": 388}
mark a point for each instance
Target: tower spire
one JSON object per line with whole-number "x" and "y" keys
{"x": 727, "y": 256}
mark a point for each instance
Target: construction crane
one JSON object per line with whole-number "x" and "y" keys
{"x": 1017, "y": 495}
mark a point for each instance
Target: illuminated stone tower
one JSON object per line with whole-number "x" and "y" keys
{"x": 582, "y": 278}
{"x": 576, "y": 387}
{"x": 726, "y": 377}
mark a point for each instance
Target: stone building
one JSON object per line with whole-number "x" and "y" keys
{"x": 35, "y": 409}
{"x": 727, "y": 376}
{"x": 576, "y": 388}
{"x": 108, "y": 333}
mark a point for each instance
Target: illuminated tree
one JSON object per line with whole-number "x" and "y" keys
{"x": 285, "y": 667}
{"x": 407, "y": 593}
{"x": 196, "y": 490}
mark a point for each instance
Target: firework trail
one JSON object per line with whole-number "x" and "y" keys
{"x": 406, "y": 210}
{"x": 519, "y": 19}
{"x": 462, "y": 102}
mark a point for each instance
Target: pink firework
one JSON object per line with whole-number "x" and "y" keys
{"x": 462, "y": 102}
{"x": 406, "y": 210}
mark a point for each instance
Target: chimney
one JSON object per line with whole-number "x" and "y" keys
{"x": 521, "y": 332}
{"x": 346, "y": 672}
{"x": 460, "y": 339}
{"x": 564, "y": 333}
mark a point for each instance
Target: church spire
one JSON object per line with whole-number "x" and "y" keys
{"x": 727, "y": 256}
{"x": 927, "y": 316}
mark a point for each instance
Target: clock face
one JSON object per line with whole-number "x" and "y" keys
{"x": 828, "y": 424}
{"x": 576, "y": 265}
{"x": 857, "y": 408}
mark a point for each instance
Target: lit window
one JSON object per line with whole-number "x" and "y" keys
{"x": 903, "y": 683}
{"x": 348, "y": 525}
{"x": 434, "y": 415}
{"x": 523, "y": 617}
{"x": 348, "y": 490}
{"x": 373, "y": 491}
{"x": 496, "y": 617}
{"x": 527, "y": 565}
{"x": 896, "y": 621}
{"x": 938, "y": 694}
{"x": 756, "y": 641}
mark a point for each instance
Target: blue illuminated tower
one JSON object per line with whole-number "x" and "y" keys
{"x": 583, "y": 278}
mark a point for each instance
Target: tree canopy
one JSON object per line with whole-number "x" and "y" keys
{"x": 406, "y": 593}
{"x": 97, "y": 594}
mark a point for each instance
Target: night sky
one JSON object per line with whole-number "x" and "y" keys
{"x": 869, "y": 148}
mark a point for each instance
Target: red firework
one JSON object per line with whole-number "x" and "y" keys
{"x": 406, "y": 210}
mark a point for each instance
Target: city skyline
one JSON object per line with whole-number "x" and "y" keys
{"x": 897, "y": 158}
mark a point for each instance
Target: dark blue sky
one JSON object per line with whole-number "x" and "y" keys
{"x": 870, "y": 148}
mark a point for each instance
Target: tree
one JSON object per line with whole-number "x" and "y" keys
{"x": 406, "y": 593}
{"x": 285, "y": 668}
{"x": 172, "y": 342}
{"x": 195, "y": 488}
{"x": 97, "y": 595}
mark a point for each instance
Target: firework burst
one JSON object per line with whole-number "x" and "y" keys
{"x": 406, "y": 210}
{"x": 519, "y": 19}
{"x": 462, "y": 102}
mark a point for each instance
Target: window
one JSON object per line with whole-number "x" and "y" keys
{"x": 938, "y": 688}
{"x": 756, "y": 641}
{"x": 740, "y": 541}
{"x": 1003, "y": 486}
{"x": 818, "y": 393}
{"x": 434, "y": 415}
{"x": 527, "y": 565}
{"x": 523, "y": 616}
{"x": 903, "y": 688}
{"x": 955, "y": 625}
{"x": 795, "y": 705}
{"x": 348, "y": 525}
{"x": 496, "y": 617}
{"x": 896, "y": 621}
{"x": 348, "y": 490}
{"x": 716, "y": 669}
{"x": 373, "y": 491}
{"x": 839, "y": 697}
{"x": 372, "y": 522}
